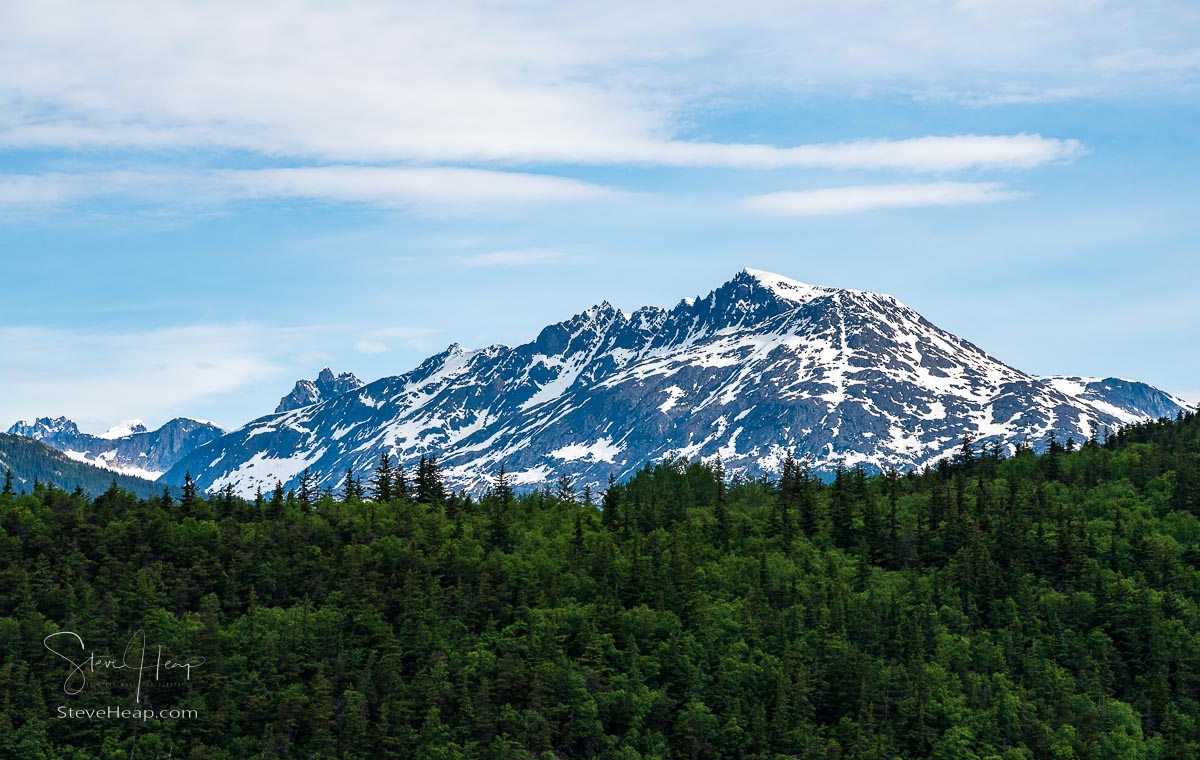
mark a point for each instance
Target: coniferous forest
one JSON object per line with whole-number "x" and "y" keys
{"x": 1024, "y": 606}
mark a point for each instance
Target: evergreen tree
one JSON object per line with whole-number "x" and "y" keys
{"x": 501, "y": 488}
{"x": 565, "y": 490}
{"x": 308, "y": 488}
{"x": 188, "y": 492}
{"x": 841, "y": 509}
{"x": 277, "y": 498}
{"x": 350, "y": 486}
{"x": 610, "y": 504}
{"x": 430, "y": 489}
{"x": 382, "y": 480}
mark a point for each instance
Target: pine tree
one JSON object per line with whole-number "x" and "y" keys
{"x": 565, "y": 490}
{"x": 277, "y": 499}
{"x": 383, "y": 479}
{"x": 430, "y": 489}
{"x": 807, "y": 507}
{"x": 308, "y": 488}
{"x": 501, "y": 488}
{"x": 966, "y": 454}
{"x": 400, "y": 487}
{"x": 610, "y": 517}
{"x": 8, "y": 483}
{"x": 349, "y": 486}
{"x": 788, "y": 496}
{"x": 189, "y": 490}
{"x": 842, "y": 510}
{"x": 721, "y": 522}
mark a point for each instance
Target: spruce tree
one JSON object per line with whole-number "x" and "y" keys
{"x": 565, "y": 490}
{"x": 308, "y": 488}
{"x": 841, "y": 509}
{"x": 349, "y": 487}
{"x": 430, "y": 489}
{"x": 276, "y": 507}
{"x": 382, "y": 479}
{"x": 501, "y": 488}
{"x": 611, "y": 504}
{"x": 189, "y": 490}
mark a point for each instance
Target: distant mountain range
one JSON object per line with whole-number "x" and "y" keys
{"x": 129, "y": 448}
{"x": 760, "y": 366}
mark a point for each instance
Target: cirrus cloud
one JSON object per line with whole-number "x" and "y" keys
{"x": 858, "y": 198}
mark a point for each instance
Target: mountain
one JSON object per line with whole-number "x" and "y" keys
{"x": 760, "y": 366}
{"x": 128, "y": 448}
{"x": 325, "y": 387}
{"x": 31, "y": 460}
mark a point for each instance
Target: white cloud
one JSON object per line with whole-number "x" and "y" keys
{"x": 101, "y": 377}
{"x": 541, "y": 82}
{"x": 515, "y": 258}
{"x": 382, "y": 340}
{"x": 371, "y": 347}
{"x": 858, "y": 198}
{"x": 435, "y": 190}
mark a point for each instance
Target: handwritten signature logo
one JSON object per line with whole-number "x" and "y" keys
{"x": 132, "y": 659}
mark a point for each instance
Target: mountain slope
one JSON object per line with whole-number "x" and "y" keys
{"x": 759, "y": 366}
{"x": 129, "y": 449}
{"x": 32, "y": 460}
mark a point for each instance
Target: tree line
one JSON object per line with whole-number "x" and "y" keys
{"x": 996, "y": 605}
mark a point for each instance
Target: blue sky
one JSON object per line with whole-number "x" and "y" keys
{"x": 201, "y": 203}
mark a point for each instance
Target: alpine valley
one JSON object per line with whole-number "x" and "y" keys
{"x": 761, "y": 366}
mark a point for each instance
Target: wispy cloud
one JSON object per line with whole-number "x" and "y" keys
{"x": 435, "y": 190}
{"x": 383, "y": 340}
{"x": 535, "y": 83}
{"x": 858, "y": 198}
{"x": 101, "y": 377}
{"x": 524, "y": 257}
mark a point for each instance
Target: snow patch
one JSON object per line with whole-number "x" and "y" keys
{"x": 602, "y": 450}
{"x": 123, "y": 429}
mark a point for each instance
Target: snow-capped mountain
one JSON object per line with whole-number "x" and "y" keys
{"x": 326, "y": 386}
{"x": 760, "y": 366}
{"x": 128, "y": 448}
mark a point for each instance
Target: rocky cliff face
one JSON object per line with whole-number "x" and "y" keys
{"x": 760, "y": 366}
{"x": 326, "y": 386}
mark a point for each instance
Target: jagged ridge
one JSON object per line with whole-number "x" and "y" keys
{"x": 761, "y": 365}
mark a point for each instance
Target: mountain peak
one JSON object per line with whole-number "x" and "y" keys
{"x": 784, "y": 287}
{"x": 123, "y": 429}
{"x": 44, "y": 427}
{"x": 326, "y": 386}
{"x": 761, "y": 366}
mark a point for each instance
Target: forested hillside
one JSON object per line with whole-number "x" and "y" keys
{"x": 32, "y": 462}
{"x": 1034, "y": 606}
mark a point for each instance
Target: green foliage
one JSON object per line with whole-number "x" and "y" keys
{"x": 989, "y": 607}
{"x": 32, "y": 462}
